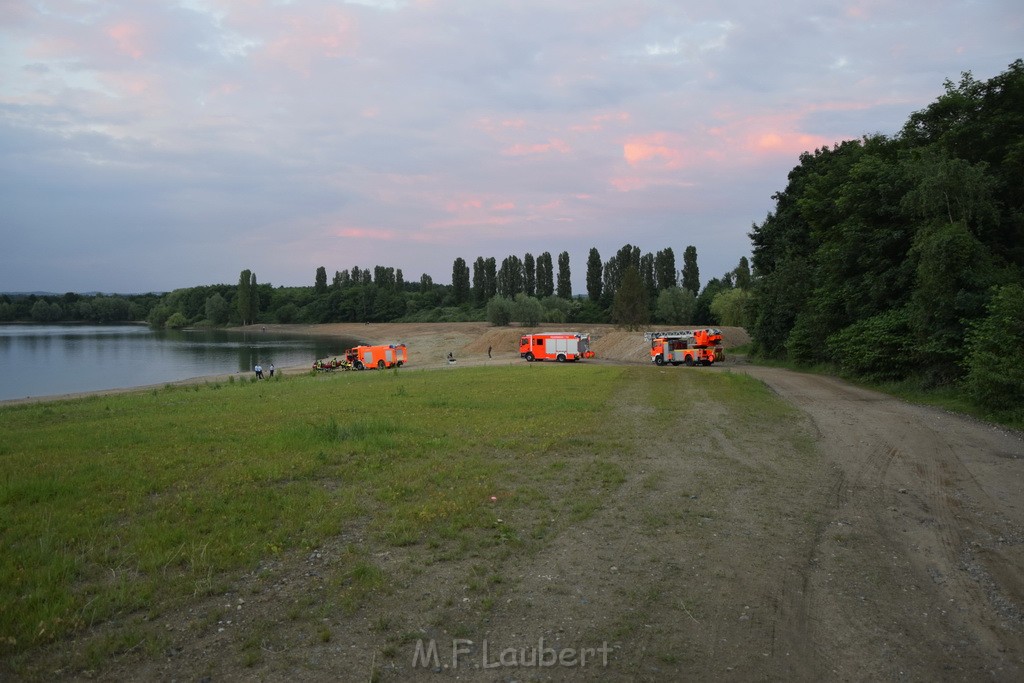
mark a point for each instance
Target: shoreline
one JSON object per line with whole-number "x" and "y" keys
{"x": 429, "y": 345}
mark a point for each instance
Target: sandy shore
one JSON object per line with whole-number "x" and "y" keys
{"x": 429, "y": 345}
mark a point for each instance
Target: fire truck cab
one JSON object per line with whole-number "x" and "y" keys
{"x": 557, "y": 346}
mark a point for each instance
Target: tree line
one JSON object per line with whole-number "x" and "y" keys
{"x": 630, "y": 288}
{"x": 901, "y": 258}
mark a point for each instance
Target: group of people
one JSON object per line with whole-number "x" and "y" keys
{"x": 259, "y": 370}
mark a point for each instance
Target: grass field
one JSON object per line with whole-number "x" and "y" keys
{"x": 137, "y": 503}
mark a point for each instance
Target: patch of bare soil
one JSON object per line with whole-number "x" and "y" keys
{"x": 864, "y": 539}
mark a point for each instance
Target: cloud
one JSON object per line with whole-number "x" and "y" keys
{"x": 405, "y": 133}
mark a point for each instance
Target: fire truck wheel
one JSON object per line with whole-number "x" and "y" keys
{"x": 561, "y": 358}
{"x": 658, "y": 360}
{"x": 359, "y": 365}
{"x": 398, "y": 364}
{"x": 688, "y": 361}
{"x": 529, "y": 357}
{"x": 380, "y": 365}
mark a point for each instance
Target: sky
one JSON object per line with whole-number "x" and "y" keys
{"x": 149, "y": 145}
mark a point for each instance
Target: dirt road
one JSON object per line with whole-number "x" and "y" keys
{"x": 918, "y": 571}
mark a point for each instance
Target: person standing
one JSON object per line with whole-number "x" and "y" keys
{"x": 488, "y": 351}
{"x": 271, "y": 371}
{"x": 259, "y": 371}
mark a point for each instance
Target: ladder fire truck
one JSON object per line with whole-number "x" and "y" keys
{"x": 559, "y": 346}
{"x": 687, "y": 347}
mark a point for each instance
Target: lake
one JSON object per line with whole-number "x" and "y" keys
{"x": 46, "y": 360}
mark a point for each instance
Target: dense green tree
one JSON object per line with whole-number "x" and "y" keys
{"x": 176, "y": 321}
{"x": 665, "y": 269}
{"x": 320, "y": 281}
{"x": 243, "y": 298}
{"x": 460, "y": 281}
{"x": 46, "y": 312}
{"x": 479, "y": 295}
{"x": 510, "y": 277}
{"x": 594, "y": 275}
{"x": 741, "y": 275}
{"x": 675, "y": 305}
{"x": 731, "y": 307}
{"x": 490, "y": 277}
{"x": 629, "y": 308}
{"x": 995, "y": 363}
{"x": 545, "y": 275}
{"x": 691, "y": 273}
{"x": 254, "y": 298}
{"x": 529, "y": 275}
{"x": 527, "y": 310}
{"x": 499, "y": 311}
{"x": 564, "y": 289}
{"x": 648, "y": 276}
{"x": 217, "y": 309}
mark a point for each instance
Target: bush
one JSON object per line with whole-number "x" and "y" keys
{"x": 995, "y": 362}
{"x": 731, "y": 307}
{"x": 527, "y": 310}
{"x": 675, "y": 305}
{"x": 176, "y": 321}
{"x": 499, "y": 311}
{"x": 879, "y": 348}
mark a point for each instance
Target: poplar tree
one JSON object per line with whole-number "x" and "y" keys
{"x": 529, "y": 275}
{"x": 691, "y": 275}
{"x": 320, "y": 281}
{"x": 243, "y": 298}
{"x": 594, "y": 275}
{"x": 254, "y": 299}
{"x": 564, "y": 276}
{"x": 630, "y": 309}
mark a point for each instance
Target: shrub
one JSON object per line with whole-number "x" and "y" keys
{"x": 176, "y": 321}
{"x": 879, "y": 348}
{"x": 499, "y": 311}
{"x": 995, "y": 362}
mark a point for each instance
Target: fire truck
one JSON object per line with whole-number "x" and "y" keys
{"x": 380, "y": 357}
{"x": 362, "y": 357}
{"x": 686, "y": 347}
{"x": 559, "y": 346}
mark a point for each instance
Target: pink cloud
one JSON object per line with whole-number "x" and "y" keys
{"x": 553, "y": 145}
{"x": 634, "y": 183}
{"x": 664, "y": 149}
{"x": 378, "y": 234}
{"x": 127, "y": 38}
{"x": 597, "y": 122}
{"x": 306, "y": 39}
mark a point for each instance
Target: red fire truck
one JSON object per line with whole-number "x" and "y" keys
{"x": 689, "y": 347}
{"x": 559, "y": 346}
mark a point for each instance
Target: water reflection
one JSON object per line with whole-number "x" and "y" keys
{"x": 42, "y": 360}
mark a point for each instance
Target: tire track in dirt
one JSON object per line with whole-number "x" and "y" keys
{"x": 921, "y": 560}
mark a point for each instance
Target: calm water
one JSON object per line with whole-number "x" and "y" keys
{"x": 44, "y": 360}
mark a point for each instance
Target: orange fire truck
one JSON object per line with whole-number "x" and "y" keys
{"x": 363, "y": 357}
{"x": 687, "y": 347}
{"x": 559, "y": 346}
{"x": 380, "y": 357}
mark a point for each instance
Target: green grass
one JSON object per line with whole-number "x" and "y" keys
{"x": 137, "y": 502}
